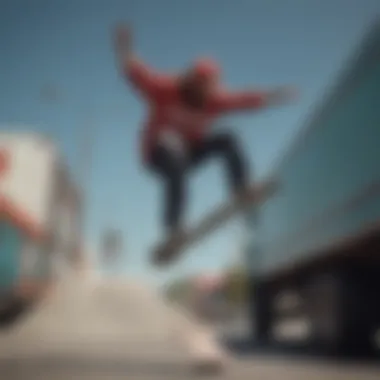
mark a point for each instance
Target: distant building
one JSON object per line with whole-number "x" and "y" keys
{"x": 88, "y": 265}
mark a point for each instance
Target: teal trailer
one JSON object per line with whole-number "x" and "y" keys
{"x": 319, "y": 237}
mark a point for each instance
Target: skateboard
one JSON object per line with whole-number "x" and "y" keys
{"x": 167, "y": 251}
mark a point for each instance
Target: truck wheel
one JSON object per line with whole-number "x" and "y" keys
{"x": 11, "y": 314}
{"x": 322, "y": 308}
{"x": 262, "y": 314}
{"x": 338, "y": 308}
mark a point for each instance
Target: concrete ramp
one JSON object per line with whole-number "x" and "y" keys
{"x": 120, "y": 322}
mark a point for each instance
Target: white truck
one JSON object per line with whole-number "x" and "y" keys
{"x": 40, "y": 225}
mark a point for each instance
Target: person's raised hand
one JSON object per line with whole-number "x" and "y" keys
{"x": 123, "y": 37}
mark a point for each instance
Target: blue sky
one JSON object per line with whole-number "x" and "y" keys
{"x": 66, "y": 44}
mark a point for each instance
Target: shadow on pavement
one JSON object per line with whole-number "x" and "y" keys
{"x": 18, "y": 368}
{"x": 238, "y": 346}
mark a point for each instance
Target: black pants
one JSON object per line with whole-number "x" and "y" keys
{"x": 173, "y": 167}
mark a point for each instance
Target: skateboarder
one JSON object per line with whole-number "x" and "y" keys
{"x": 181, "y": 109}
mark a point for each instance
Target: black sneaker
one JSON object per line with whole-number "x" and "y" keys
{"x": 169, "y": 246}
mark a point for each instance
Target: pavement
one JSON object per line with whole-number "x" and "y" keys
{"x": 103, "y": 327}
{"x": 123, "y": 330}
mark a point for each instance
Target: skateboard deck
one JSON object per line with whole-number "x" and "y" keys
{"x": 167, "y": 251}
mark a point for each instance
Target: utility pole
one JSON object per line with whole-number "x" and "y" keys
{"x": 86, "y": 143}
{"x": 86, "y": 148}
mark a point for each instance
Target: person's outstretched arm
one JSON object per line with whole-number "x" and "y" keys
{"x": 139, "y": 74}
{"x": 253, "y": 100}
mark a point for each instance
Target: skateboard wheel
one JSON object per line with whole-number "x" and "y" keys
{"x": 157, "y": 256}
{"x": 162, "y": 255}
